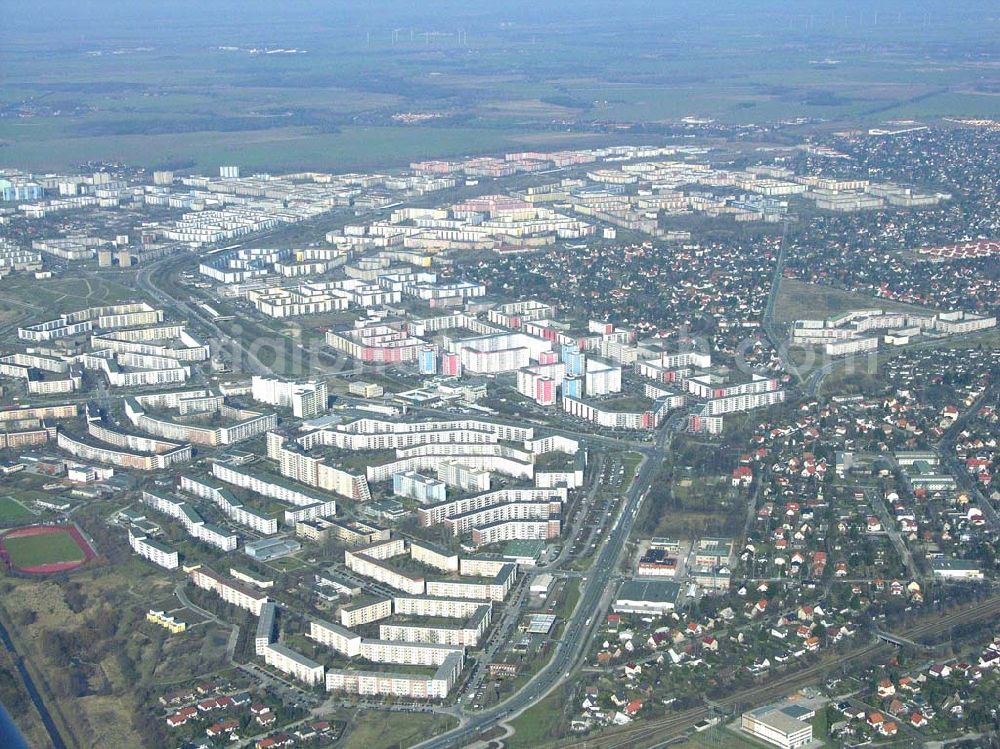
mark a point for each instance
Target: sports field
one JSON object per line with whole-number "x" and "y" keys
{"x": 45, "y": 548}
{"x": 50, "y": 548}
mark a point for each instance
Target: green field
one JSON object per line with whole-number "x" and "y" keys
{"x": 29, "y": 551}
{"x": 537, "y": 725}
{"x": 13, "y": 512}
{"x": 798, "y": 299}
{"x": 79, "y": 84}
{"x": 374, "y": 729}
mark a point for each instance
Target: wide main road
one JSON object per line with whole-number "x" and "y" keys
{"x": 584, "y": 619}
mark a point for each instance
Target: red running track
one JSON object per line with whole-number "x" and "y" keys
{"x": 44, "y": 530}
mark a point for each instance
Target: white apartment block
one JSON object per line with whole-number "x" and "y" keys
{"x": 92, "y": 453}
{"x": 447, "y": 608}
{"x": 314, "y": 511}
{"x": 294, "y": 664}
{"x": 511, "y": 315}
{"x": 410, "y": 433}
{"x": 660, "y": 367}
{"x": 250, "y": 424}
{"x": 494, "y": 589}
{"x": 365, "y": 612}
{"x": 192, "y": 521}
{"x": 434, "y": 556}
{"x": 306, "y": 399}
{"x": 538, "y": 513}
{"x": 268, "y": 487}
{"x": 363, "y": 564}
{"x": 602, "y": 378}
{"x": 510, "y": 530}
{"x": 466, "y": 635}
{"x": 335, "y": 637}
{"x": 464, "y": 477}
{"x": 153, "y": 550}
{"x": 483, "y": 566}
{"x": 231, "y": 592}
{"x": 266, "y": 627}
{"x": 851, "y": 346}
{"x": 407, "y": 653}
{"x": 611, "y": 419}
{"x": 434, "y": 514}
{"x": 955, "y": 323}
{"x": 232, "y": 507}
{"x": 377, "y": 683}
{"x": 306, "y": 299}
{"x": 723, "y": 396}
{"x": 295, "y": 464}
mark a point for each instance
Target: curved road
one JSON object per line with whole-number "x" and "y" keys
{"x": 599, "y": 586}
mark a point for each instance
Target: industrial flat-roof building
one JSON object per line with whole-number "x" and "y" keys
{"x": 656, "y": 597}
{"x": 778, "y": 727}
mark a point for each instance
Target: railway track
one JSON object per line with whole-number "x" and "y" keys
{"x": 656, "y": 732}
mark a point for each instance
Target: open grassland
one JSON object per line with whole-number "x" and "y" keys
{"x": 13, "y": 512}
{"x": 31, "y": 300}
{"x": 372, "y": 729}
{"x": 95, "y": 707}
{"x": 121, "y": 86}
{"x": 798, "y": 300}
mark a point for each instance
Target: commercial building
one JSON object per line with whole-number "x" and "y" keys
{"x": 646, "y": 597}
{"x": 776, "y": 727}
{"x": 270, "y": 548}
{"x": 956, "y": 569}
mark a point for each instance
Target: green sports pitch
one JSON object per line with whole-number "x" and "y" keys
{"x": 50, "y": 548}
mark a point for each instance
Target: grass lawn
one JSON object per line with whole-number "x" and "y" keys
{"x": 13, "y": 512}
{"x": 372, "y": 729}
{"x": 797, "y": 299}
{"x": 29, "y": 551}
{"x": 570, "y": 596}
{"x": 535, "y": 727}
{"x": 630, "y": 462}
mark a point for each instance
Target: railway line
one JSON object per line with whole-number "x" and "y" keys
{"x": 655, "y": 733}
